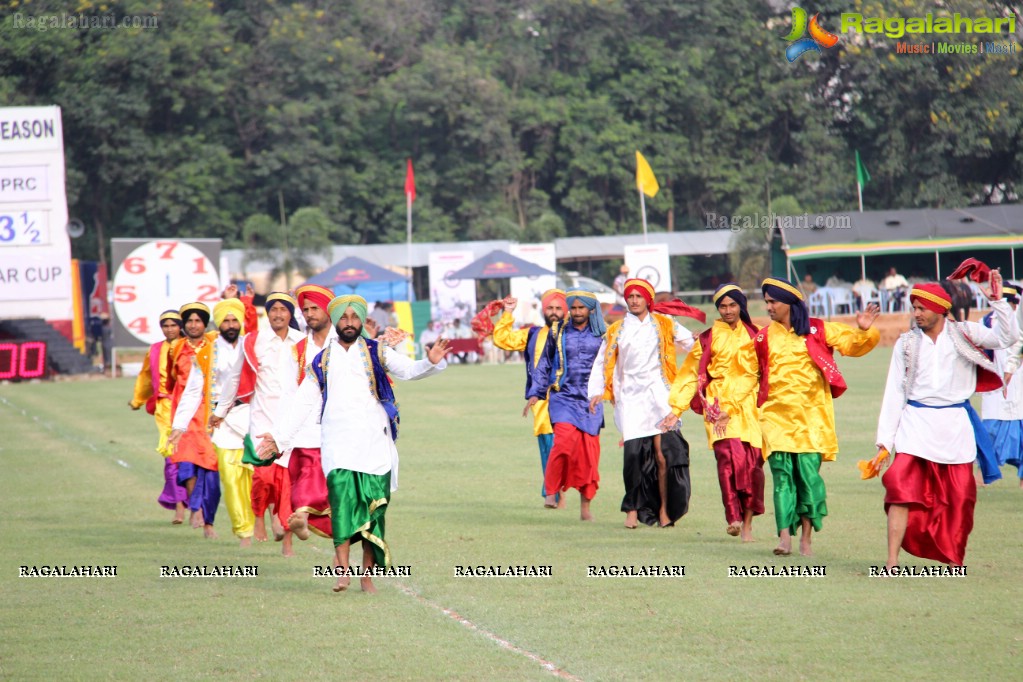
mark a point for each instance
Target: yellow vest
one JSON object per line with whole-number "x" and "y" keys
{"x": 666, "y": 335}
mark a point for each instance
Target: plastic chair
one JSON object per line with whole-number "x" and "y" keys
{"x": 841, "y": 298}
{"x": 820, "y": 303}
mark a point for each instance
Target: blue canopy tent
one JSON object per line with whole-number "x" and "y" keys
{"x": 499, "y": 264}
{"x": 353, "y": 275}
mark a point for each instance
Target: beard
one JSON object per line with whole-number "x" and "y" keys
{"x": 349, "y": 334}
{"x": 230, "y": 335}
{"x": 551, "y": 319}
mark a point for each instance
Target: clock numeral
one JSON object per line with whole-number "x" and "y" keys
{"x": 208, "y": 293}
{"x": 139, "y": 325}
{"x": 200, "y": 265}
{"x": 136, "y": 265}
{"x": 124, "y": 293}
{"x": 6, "y": 228}
{"x": 168, "y": 249}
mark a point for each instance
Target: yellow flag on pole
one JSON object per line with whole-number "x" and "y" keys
{"x": 645, "y": 180}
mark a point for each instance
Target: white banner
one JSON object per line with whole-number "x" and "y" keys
{"x": 26, "y": 276}
{"x": 450, "y": 298}
{"x": 525, "y": 288}
{"x": 35, "y": 250}
{"x": 650, "y": 262}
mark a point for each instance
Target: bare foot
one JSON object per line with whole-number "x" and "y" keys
{"x": 208, "y": 532}
{"x": 665, "y": 521}
{"x": 179, "y": 514}
{"x": 804, "y": 546}
{"x": 286, "y": 549}
{"x": 584, "y": 510}
{"x": 342, "y": 583}
{"x": 196, "y": 519}
{"x": 366, "y": 583}
{"x": 245, "y": 542}
{"x": 278, "y": 528}
{"x": 733, "y": 528}
{"x": 260, "y": 530}
{"x": 549, "y": 502}
{"x": 747, "y": 533}
{"x": 784, "y": 547}
{"x": 1021, "y": 483}
{"x": 563, "y": 501}
{"x": 631, "y": 519}
{"x": 298, "y": 523}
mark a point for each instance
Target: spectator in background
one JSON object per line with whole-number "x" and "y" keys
{"x": 895, "y": 287}
{"x": 808, "y": 286}
{"x": 429, "y": 336}
{"x": 460, "y": 332}
{"x": 383, "y": 315}
{"x": 619, "y": 286}
{"x": 863, "y": 288}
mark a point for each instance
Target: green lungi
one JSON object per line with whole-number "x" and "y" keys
{"x": 798, "y": 489}
{"x": 358, "y": 503}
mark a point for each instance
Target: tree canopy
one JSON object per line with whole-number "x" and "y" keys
{"x": 521, "y": 116}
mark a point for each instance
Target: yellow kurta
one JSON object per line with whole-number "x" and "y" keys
{"x": 799, "y": 414}
{"x": 507, "y": 338}
{"x": 144, "y": 389}
{"x": 735, "y": 389}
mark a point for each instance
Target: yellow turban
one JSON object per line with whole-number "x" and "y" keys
{"x": 229, "y": 306}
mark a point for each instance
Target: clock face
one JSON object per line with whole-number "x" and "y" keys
{"x": 158, "y": 276}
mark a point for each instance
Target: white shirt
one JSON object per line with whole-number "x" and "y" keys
{"x": 308, "y": 435}
{"x": 640, "y": 391}
{"x": 1007, "y": 407}
{"x": 943, "y": 377}
{"x": 229, "y": 435}
{"x": 355, "y": 431}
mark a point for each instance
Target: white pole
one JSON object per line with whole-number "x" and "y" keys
{"x": 863, "y": 266}
{"x": 859, "y": 192}
{"x": 642, "y": 205}
{"x": 1012, "y": 253}
{"x": 408, "y": 245}
{"x": 937, "y": 266}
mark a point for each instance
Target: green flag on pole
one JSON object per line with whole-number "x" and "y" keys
{"x": 862, "y": 176}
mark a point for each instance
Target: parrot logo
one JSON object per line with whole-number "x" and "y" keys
{"x": 819, "y": 37}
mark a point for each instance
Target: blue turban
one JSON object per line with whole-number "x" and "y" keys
{"x": 287, "y": 301}
{"x": 589, "y": 299}
{"x": 733, "y": 291}
{"x": 785, "y": 291}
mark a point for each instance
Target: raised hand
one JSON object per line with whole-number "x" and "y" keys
{"x": 509, "y": 303}
{"x": 393, "y": 337}
{"x": 865, "y": 318}
{"x": 439, "y": 350}
{"x": 993, "y": 290}
{"x": 230, "y": 291}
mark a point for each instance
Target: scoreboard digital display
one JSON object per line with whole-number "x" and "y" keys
{"x": 21, "y": 360}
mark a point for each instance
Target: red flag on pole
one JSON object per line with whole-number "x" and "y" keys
{"x": 410, "y": 182}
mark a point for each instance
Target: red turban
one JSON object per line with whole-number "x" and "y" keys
{"x": 554, "y": 296}
{"x": 674, "y": 307}
{"x": 931, "y": 296}
{"x": 314, "y": 293}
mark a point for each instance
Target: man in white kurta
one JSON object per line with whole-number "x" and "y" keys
{"x": 635, "y": 368}
{"x": 927, "y": 421}
{"x": 235, "y": 476}
{"x": 268, "y": 361}
{"x": 359, "y": 456}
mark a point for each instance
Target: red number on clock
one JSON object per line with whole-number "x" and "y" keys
{"x": 168, "y": 249}
{"x": 124, "y": 293}
{"x": 208, "y": 294}
{"x": 139, "y": 325}
{"x": 200, "y": 266}
{"x": 135, "y": 265}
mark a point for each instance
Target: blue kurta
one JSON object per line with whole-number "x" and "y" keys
{"x": 570, "y": 404}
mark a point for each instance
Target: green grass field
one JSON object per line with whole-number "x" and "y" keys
{"x": 80, "y": 480}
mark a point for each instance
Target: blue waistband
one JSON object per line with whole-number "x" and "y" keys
{"x": 916, "y": 403}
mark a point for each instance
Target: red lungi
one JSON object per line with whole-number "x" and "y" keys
{"x": 573, "y": 462}
{"x": 741, "y": 477}
{"x": 272, "y": 485}
{"x": 309, "y": 489}
{"x": 940, "y": 498}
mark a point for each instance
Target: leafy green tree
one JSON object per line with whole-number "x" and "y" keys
{"x": 290, "y": 244}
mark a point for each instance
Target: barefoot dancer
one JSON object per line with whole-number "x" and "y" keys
{"x": 798, "y": 380}
{"x": 711, "y": 383}
{"x": 927, "y": 421}
{"x": 530, "y": 340}
{"x": 348, "y": 388}
{"x": 634, "y": 370}
{"x": 152, "y": 390}
{"x": 561, "y": 375}
{"x": 259, "y": 377}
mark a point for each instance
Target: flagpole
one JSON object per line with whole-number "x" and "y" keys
{"x": 859, "y": 191}
{"x": 642, "y": 206}
{"x": 408, "y": 245}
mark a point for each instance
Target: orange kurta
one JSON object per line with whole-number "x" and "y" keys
{"x": 195, "y": 445}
